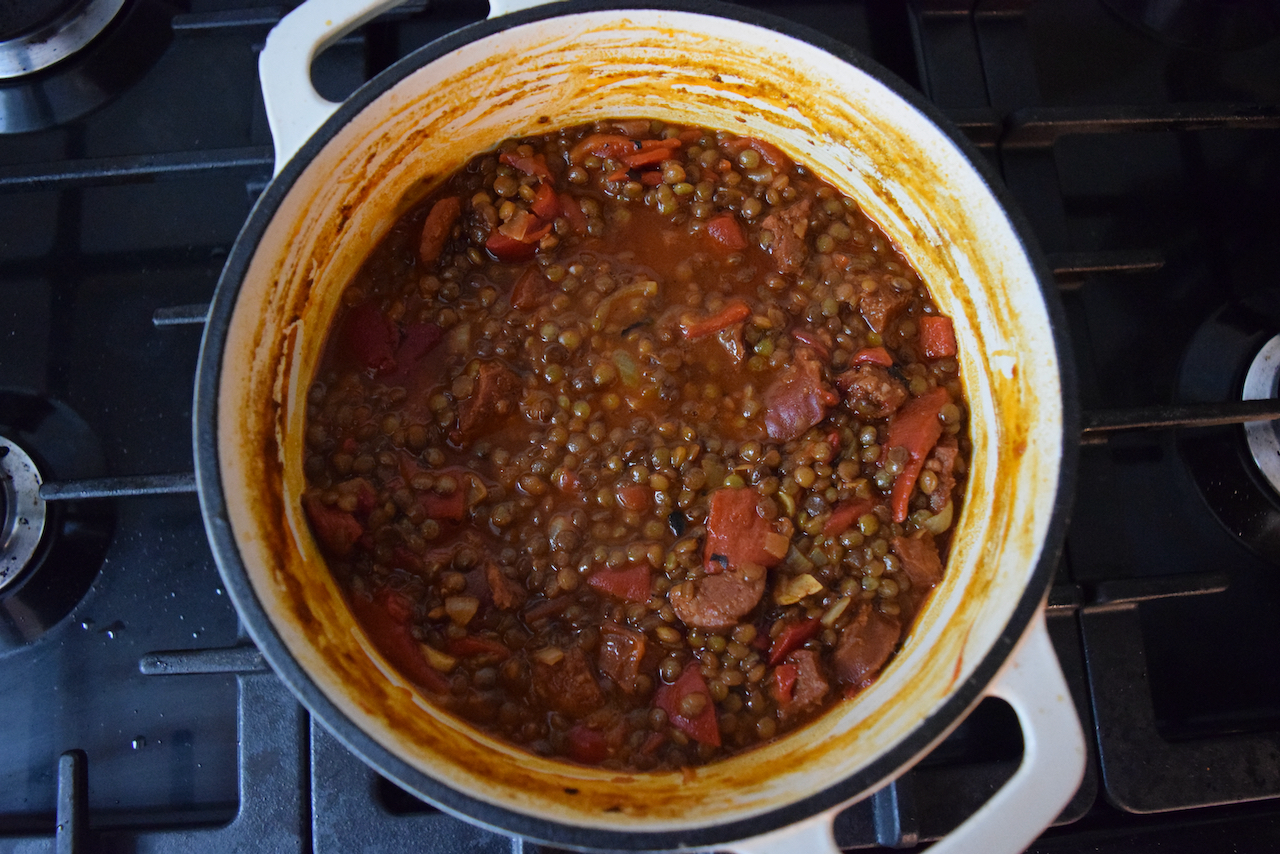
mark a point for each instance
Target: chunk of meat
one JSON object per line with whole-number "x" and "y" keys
{"x": 865, "y": 645}
{"x": 719, "y": 601}
{"x": 621, "y": 652}
{"x": 871, "y": 391}
{"x": 493, "y": 398}
{"x": 507, "y": 594}
{"x": 917, "y": 428}
{"x": 419, "y": 339}
{"x": 943, "y": 464}
{"x": 337, "y": 530}
{"x": 788, "y": 227}
{"x": 809, "y": 688}
{"x": 881, "y": 305}
{"x": 569, "y": 686}
{"x": 920, "y": 560}
{"x": 797, "y": 398}
{"x": 793, "y": 636}
{"x": 437, "y": 228}
{"x": 739, "y": 534}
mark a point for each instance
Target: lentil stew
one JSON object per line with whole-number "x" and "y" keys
{"x": 636, "y": 445}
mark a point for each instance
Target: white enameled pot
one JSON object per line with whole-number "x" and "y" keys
{"x": 346, "y": 172}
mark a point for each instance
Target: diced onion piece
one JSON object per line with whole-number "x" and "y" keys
{"x": 476, "y": 490}
{"x": 437, "y": 659}
{"x": 461, "y": 608}
{"x": 549, "y": 655}
{"x": 792, "y": 590}
{"x": 459, "y": 338}
{"x": 776, "y": 544}
{"x": 941, "y": 521}
{"x": 833, "y": 613}
{"x": 797, "y": 561}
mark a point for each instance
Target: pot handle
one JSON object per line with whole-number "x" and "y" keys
{"x": 1051, "y": 770}
{"x": 295, "y": 110}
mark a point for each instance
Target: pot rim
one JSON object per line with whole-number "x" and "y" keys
{"x": 502, "y": 819}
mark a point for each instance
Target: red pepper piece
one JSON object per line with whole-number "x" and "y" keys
{"x": 371, "y": 338}
{"x": 587, "y": 746}
{"x": 872, "y": 356}
{"x": 793, "y": 636}
{"x": 784, "y": 681}
{"x": 546, "y": 204}
{"x": 735, "y": 311}
{"x": 573, "y": 212}
{"x": 507, "y": 250}
{"x": 653, "y": 742}
{"x": 725, "y": 230}
{"x": 528, "y": 289}
{"x": 917, "y": 428}
{"x": 603, "y": 145}
{"x": 465, "y": 647}
{"x": 634, "y": 497}
{"x": 736, "y": 532}
{"x": 620, "y": 175}
{"x": 846, "y": 515}
{"x": 703, "y": 727}
{"x": 451, "y": 507}
{"x": 651, "y": 153}
{"x": 337, "y": 530}
{"x": 690, "y": 135}
{"x": 631, "y": 583}
{"x": 651, "y": 179}
{"x": 937, "y": 337}
{"x": 437, "y": 228}
{"x": 530, "y": 165}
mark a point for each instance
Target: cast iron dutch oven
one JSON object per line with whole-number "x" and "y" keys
{"x": 346, "y": 172}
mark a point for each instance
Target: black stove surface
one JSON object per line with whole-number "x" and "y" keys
{"x": 138, "y": 717}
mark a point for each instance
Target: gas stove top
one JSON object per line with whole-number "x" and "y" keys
{"x": 1142, "y": 141}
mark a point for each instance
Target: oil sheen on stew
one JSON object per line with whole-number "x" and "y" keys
{"x": 636, "y": 445}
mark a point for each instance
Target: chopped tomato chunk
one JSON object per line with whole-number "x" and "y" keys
{"x": 383, "y": 620}
{"x": 528, "y": 289}
{"x": 784, "y": 681}
{"x": 337, "y": 530}
{"x": 465, "y": 647}
{"x": 872, "y": 356}
{"x": 937, "y": 337}
{"x": 371, "y": 338}
{"x": 546, "y": 204}
{"x": 736, "y": 532}
{"x": 573, "y": 213}
{"x": 509, "y": 250}
{"x": 603, "y": 145}
{"x": 917, "y": 428}
{"x": 529, "y": 165}
{"x": 631, "y": 583}
{"x": 703, "y": 726}
{"x": 793, "y": 636}
{"x": 846, "y": 515}
{"x": 725, "y": 230}
{"x": 769, "y": 152}
{"x": 587, "y": 746}
{"x": 735, "y": 311}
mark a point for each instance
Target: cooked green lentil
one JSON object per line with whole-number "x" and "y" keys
{"x": 636, "y": 445}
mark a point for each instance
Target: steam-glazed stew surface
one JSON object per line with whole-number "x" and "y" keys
{"x": 636, "y": 445}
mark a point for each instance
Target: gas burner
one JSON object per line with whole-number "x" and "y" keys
{"x": 22, "y": 509}
{"x": 1236, "y": 355}
{"x": 50, "y": 552}
{"x": 1262, "y": 382}
{"x": 60, "y": 59}
{"x": 38, "y": 33}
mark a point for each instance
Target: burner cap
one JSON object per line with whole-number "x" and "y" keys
{"x": 22, "y": 509}
{"x": 1262, "y": 382}
{"x": 34, "y": 34}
